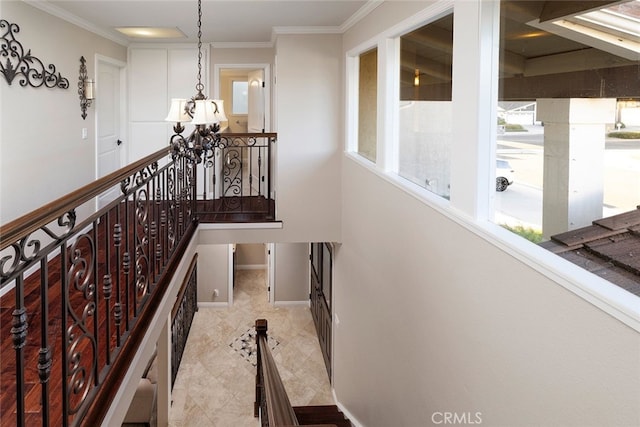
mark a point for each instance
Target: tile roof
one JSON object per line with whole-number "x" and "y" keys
{"x": 609, "y": 248}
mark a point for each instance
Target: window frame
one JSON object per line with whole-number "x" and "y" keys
{"x": 471, "y": 205}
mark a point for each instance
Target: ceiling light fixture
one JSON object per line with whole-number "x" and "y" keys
{"x": 151, "y": 32}
{"x": 205, "y": 114}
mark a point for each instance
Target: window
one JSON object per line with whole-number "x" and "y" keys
{"x": 425, "y": 120}
{"x": 565, "y": 98}
{"x": 240, "y": 104}
{"x": 368, "y": 104}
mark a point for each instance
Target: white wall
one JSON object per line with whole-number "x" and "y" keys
{"x": 251, "y": 256}
{"x": 309, "y": 105}
{"x": 213, "y": 273}
{"x": 292, "y": 272}
{"x": 157, "y": 74}
{"x": 434, "y": 317}
{"x": 41, "y": 124}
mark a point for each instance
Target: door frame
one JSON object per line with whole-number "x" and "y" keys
{"x": 266, "y": 68}
{"x": 98, "y": 61}
{"x": 270, "y": 253}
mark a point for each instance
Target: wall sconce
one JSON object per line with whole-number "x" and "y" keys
{"x": 86, "y": 88}
{"x": 416, "y": 79}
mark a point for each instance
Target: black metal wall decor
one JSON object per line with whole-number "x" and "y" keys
{"x": 85, "y": 88}
{"x": 18, "y": 63}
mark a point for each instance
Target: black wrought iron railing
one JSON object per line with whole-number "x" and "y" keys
{"x": 182, "y": 316}
{"x": 79, "y": 285}
{"x": 77, "y": 296}
{"x": 237, "y": 179}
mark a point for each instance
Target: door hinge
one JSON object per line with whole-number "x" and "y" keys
{"x": 269, "y": 289}
{"x": 264, "y": 84}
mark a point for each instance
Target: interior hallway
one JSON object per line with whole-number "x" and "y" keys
{"x": 215, "y": 385}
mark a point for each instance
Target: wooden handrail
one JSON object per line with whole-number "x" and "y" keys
{"x": 279, "y": 409}
{"x": 27, "y": 224}
{"x": 249, "y": 135}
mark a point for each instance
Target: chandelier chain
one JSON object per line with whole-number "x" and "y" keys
{"x": 199, "y": 86}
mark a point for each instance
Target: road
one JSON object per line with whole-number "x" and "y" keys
{"x": 521, "y": 203}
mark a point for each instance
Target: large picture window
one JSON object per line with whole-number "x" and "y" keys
{"x": 568, "y": 96}
{"x": 368, "y": 104}
{"x": 426, "y": 121}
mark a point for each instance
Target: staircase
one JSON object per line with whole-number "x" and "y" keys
{"x": 318, "y": 415}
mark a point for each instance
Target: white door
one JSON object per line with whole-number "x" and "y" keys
{"x": 256, "y": 100}
{"x": 255, "y": 123}
{"x": 108, "y": 126}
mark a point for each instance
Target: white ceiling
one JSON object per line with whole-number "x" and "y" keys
{"x": 246, "y": 21}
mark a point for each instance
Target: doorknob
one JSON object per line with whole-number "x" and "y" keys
{"x": 119, "y": 142}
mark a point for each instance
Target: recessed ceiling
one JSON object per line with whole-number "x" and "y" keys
{"x": 223, "y": 21}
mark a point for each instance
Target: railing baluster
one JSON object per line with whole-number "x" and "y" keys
{"x": 44, "y": 356}
{"x": 19, "y": 333}
{"x": 117, "y": 242}
{"x": 107, "y": 286}
{"x": 126, "y": 263}
{"x": 64, "y": 306}
{"x": 96, "y": 301}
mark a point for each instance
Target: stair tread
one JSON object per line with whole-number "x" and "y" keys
{"x": 313, "y": 408}
{"x": 321, "y": 414}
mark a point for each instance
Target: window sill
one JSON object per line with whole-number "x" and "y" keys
{"x": 603, "y": 294}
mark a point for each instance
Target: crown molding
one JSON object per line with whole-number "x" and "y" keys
{"x": 51, "y": 9}
{"x": 307, "y": 30}
{"x": 366, "y": 9}
{"x": 242, "y": 45}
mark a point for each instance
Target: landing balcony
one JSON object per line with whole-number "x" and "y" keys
{"x": 79, "y": 285}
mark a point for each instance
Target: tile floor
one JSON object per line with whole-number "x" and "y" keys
{"x": 216, "y": 381}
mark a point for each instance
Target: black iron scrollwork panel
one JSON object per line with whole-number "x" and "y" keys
{"x": 15, "y": 62}
{"x": 142, "y": 245}
{"x": 81, "y": 345}
{"x": 29, "y": 249}
{"x": 181, "y": 323}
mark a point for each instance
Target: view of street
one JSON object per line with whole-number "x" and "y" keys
{"x": 521, "y": 203}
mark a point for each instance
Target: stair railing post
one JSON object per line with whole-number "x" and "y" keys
{"x": 261, "y": 331}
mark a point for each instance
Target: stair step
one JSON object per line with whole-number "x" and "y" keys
{"x": 321, "y": 414}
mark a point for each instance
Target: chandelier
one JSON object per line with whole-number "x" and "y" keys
{"x": 205, "y": 114}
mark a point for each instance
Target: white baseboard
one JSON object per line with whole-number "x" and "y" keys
{"x": 208, "y": 304}
{"x": 251, "y": 266}
{"x": 345, "y": 411}
{"x": 291, "y": 303}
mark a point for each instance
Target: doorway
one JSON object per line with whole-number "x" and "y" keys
{"x": 248, "y": 257}
{"x": 321, "y": 272}
{"x": 109, "y": 117}
{"x": 246, "y": 93}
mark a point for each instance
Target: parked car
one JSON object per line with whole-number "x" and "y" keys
{"x": 504, "y": 174}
